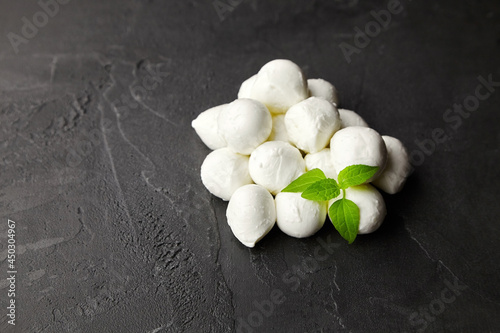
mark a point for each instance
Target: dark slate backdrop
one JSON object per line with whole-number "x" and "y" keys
{"x": 100, "y": 168}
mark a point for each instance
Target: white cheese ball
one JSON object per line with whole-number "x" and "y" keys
{"x": 358, "y": 145}
{"x": 275, "y": 164}
{"x": 311, "y": 123}
{"x": 245, "y": 124}
{"x": 246, "y": 87}
{"x": 397, "y": 168}
{"x": 371, "y": 205}
{"x": 251, "y": 214}
{"x": 224, "y": 171}
{"x": 207, "y": 128}
{"x": 321, "y": 160}
{"x": 278, "y": 132}
{"x": 350, "y": 118}
{"x": 279, "y": 85}
{"x": 323, "y": 89}
{"x": 298, "y": 217}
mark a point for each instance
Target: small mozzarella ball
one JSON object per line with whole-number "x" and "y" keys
{"x": 323, "y": 89}
{"x": 279, "y": 129}
{"x": 299, "y": 217}
{"x": 245, "y": 124}
{"x": 358, "y": 145}
{"x": 251, "y": 214}
{"x": 207, "y": 128}
{"x": 275, "y": 164}
{"x": 224, "y": 171}
{"x": 397, "y": 168}
{"x": 350, "y": 118}
{"x": 279, "y": 85}
{"x": 321, "y": 160}
{"x": 371, "y": 205}
{"x": 246, "y": 87}
{"x": 311, "y": 123}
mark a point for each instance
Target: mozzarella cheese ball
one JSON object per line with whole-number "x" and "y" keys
{"x": 311, "y": 123}
{"x": 279, "y": 85}
{"x": 299, "y": 217}
{"x": 397, "y": 168}
{"x": 358, "y": 145}
{"x": 275, "y": 164}
{"x": 321, "y": 160}
{"x": 245, "y": 124}
{"x": 371, "y": 205}
{"x": 224, "y": 171}
{"x": 207, "y": 128}
{"x": 278, "y": 132}
{"x": 251, "y": 214}
{"x": 323, "y": 89}
{"x": 350, "y": 118}
{"x": 246, "y": 87}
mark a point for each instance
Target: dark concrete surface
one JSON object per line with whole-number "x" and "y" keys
{"x": 99, "y": 168}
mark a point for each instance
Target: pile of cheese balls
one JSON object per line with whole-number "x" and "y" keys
{"x": 281, "y": 126}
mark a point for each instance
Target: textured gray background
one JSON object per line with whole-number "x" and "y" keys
{"x": 115, "y": 230}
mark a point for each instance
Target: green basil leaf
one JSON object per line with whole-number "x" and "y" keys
{"x": 344, "y": 215}
{"x": 322, "y": 190}
{"x": 304, "y": 181}
{"x": 354, "y": 175}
